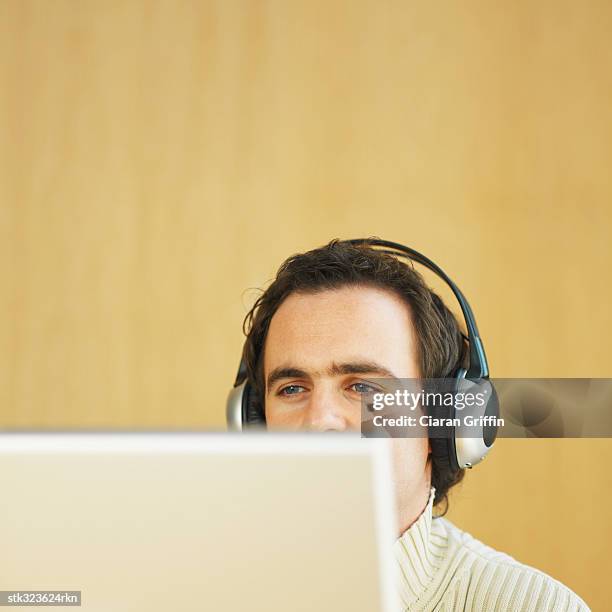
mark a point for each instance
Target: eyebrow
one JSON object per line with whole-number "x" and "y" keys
{"x": 335, "y": 369}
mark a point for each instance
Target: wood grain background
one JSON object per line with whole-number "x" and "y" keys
{"x": 159, "y": 159}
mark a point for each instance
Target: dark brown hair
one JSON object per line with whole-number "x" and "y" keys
{"x": 441, "y": 345}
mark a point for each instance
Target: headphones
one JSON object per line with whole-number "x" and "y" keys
{"x": 462, "y": 448}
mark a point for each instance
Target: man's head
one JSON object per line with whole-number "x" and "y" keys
{"x": 334, "y": 317}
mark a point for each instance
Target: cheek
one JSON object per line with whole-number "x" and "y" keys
{"x": 354, "y": 423}
{"x": 272, "y": 415}
{"x": 277, "y": 418}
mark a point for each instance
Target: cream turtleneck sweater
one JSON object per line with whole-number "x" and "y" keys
{"x": 445, "y": 569}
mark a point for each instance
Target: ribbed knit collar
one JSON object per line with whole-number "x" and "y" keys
{"x": 420, "y": 552}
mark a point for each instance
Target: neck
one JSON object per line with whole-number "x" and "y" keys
{"x": 409, "y": 509}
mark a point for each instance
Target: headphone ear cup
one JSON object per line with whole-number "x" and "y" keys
{"x": 472, "y": 443}
{"x": 252, "y": 410}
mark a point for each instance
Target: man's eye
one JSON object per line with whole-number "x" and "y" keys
{"x": 290, "y": 390}
{"x": 362, "y": 388}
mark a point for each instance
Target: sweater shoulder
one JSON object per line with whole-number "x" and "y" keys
{"x": 487, "y": 579}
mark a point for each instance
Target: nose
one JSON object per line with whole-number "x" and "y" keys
{"x": 326, "y": 412}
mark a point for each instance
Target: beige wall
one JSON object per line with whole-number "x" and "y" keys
{"x": 159, "y": 158}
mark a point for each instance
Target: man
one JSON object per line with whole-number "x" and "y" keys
{"x": 335, "y": 318}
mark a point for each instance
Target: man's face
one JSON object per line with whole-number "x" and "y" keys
{"x": 320, "y": 351}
